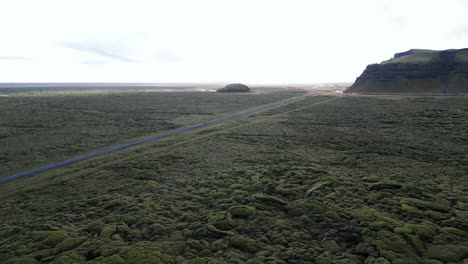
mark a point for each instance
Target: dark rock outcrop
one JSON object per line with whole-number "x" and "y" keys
{"x": 417, "y": 71}
{"x": 234, "y": 88}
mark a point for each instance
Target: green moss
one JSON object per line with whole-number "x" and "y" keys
{"x": 402, "y": 230}
{"x": 107, "y": 231}
{"x": 411, "y": 210}
{"x": 55, "y": 237}
{"x": 243, "y": 243}
{"x": 21, "y": 260}
{"x": 453, "y": 231}
{"x": 381, "y": 260}
{"x": 151, "y": 252}
{"x": 462, "y": 216}
{"x": 417, "y": 56}
{"x": 114, "y": 259}
{"x": 447, "y": 253}
{"x": 288, "y": 191}
{"x": 157, "y": 229}
{"x": 437, "y": 205}
{"x": 386, "y": 184}
{"x": 203, "y": 260}
{"x": 416, "y": 242}
{"x": 219, "y": 245}
{"x": 116, "y": 237}
{"x": 265, "y": 198}
{"x": 242, "y": 211}
{"x": 222, "y": 220}
{"x": 394, "y": 248}
{"x": 317, "y": 186}
{"x": 332, "y": 246}
{"x": 196, "y": 244}
{"x": 353, "y": 136}
{"x": 308, "y": 207}
{"x": 324, "y": 258}
{"x": 380, "y": 225}
{"x": 435, "y": 215}
{"x": 219, "y": 232}
{"x": 69, "y": 243}
{"x": 72, "y": 256}
{"x": 425, "y": 230}
{"x": 95, "y": 227}
{"x": 371, "y": 214}
{"x": 255, "y": 178}
{"x": 137, "y": 258}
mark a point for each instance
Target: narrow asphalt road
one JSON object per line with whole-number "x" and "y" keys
{"x": 141, "y": 141}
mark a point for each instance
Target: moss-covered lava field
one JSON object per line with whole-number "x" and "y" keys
{"x": 328, "y": 179}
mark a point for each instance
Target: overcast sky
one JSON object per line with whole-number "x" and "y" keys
{"x": 288, "y": 41}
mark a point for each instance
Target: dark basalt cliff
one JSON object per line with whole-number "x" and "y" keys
{"x": 417, "y": 71}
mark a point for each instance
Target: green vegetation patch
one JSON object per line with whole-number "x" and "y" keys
{"x": 417, "y": 56}
{"x": 353, "y": 180}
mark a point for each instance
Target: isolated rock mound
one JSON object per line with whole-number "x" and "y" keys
{"x": 417, "y": 71}
{"x": 234, "y": 88}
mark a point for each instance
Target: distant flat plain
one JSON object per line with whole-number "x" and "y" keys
{"x": 42, "y": 123}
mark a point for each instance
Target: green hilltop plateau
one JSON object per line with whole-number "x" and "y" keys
{"x": 417, "y": 71}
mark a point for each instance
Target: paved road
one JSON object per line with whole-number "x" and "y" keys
{"x": 141, "y": 141}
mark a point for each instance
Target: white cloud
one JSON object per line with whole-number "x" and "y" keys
{"x": 217, "y": 40}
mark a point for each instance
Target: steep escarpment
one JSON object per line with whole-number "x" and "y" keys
{"x": 417, "y": 71}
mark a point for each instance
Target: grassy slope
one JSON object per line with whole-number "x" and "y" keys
{"x": 44, "y": 127}
{"x": 418, "y": 56}
{"x": 462, "y": 56}
{"x": 351, "y": 179}
{"x": 427, "y": 56}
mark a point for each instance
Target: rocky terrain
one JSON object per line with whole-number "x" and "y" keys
{"x": 325, "y": 180}
{"x": 417, "y": 71}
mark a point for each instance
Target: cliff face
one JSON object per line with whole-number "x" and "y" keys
{"x": 417, "y": 71}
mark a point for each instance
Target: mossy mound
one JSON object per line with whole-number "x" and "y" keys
{"x": 243, "y": 243}
{"x": 234, "y": 88}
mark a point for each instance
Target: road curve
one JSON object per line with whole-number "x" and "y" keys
{"x": 141, "y": 141}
